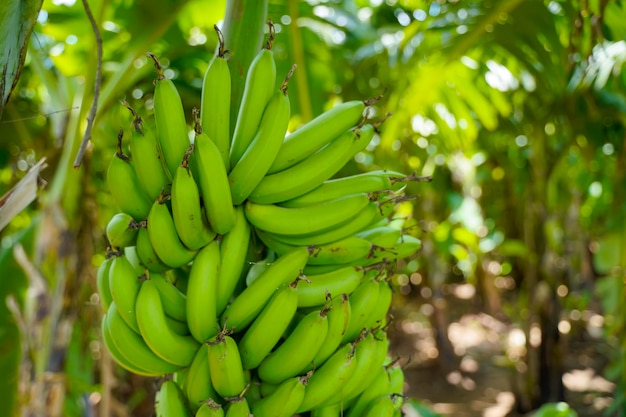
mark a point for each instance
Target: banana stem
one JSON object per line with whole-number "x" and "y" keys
{"x": 243, "y": 30}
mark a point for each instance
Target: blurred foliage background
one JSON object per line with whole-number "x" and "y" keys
{"x": 516, "y": 108}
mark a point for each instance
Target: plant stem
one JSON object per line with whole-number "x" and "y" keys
{"x": 243, "y": 30}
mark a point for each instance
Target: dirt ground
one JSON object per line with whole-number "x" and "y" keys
{"x": 488, "y": 352}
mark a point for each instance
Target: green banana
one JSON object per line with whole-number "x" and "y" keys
{"x": 360, "y": 221}
{"x": 296, "y": 353}
{"x": 382, "y": 236}
{"x": 250, "y": 301}
{"x": 338, "y": 319}
{"x": 267, "y": 329}
{"x": 259, "y": 87}
{"x": 284, "y": 401}
{"x": 258, "y": 267}
{"x": 377, "y": 388}
{"x": 164, "y": 237}
{"x": 227, "y": 374}
{"x": 367, "y": 182}
{"x": 210, "y": 408}
{"x": 405, "y": 247}
{"x": 329, "y": 378}
{"x": 213, "y": 182}
{"x": 119, "y": 358}
{"x": 238, "y": 407}
{"x": 172, "y": 347}
{"x": 313, "y": 135}
{"x": 122, "y": 230}
{"x": 256, "y": 160}
{"x": 233, "y": 252}
{"x": 133, "y": 347}
{"x": 146, "y": 254}
{"x": 311, "y": 172}
{"x": 147, "y": 157}
{"x": 102, "y": 282}
{"x": 362, "y": 303}
{"x": 366, "y": 355}
{"x": 313, "y": 290}
{"x": 178, "y": 327}
{"x": 347, "y": 251}
{"x": 378, "y": 317}
{"x": 190, "y": 221}
{"x": 382, "y": 406}
{"x": 124, "y": 284}
{"x": 124, "y": 185}
{"x": 198, "y": 386}
{"x": 304, "y": 220}
{"x": 215, "y": 101}
{"x": 396, "y": 379}
{"x": 334, "y": 410}
{"x": 169, "y": 115}
{"x": 174, "y": 301}
{"x": 202, "y": 293}
{"x": 169, "y": 402}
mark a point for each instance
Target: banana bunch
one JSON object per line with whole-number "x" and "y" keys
{"x": 240, "y": 266}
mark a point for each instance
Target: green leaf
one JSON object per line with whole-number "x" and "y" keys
{"x": 17, "y": 18}
{"x": 555, "y": 410}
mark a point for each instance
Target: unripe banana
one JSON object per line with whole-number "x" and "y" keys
{"x": 405, "y": 247}
{"x": 255, "y": 161}
{"x": 258, "y": 267}
{"x": 257, "y": 91}
{"x": 267, "y": 329}
{"x": 296, "y": 353}
{"x": 124, "y": 185}
{"x": 169, "y": 115}
{"x": 360, "y": 221}
{"x": 334, "y": 410}
{"x": 233, "y": 252}
{"x": 198, "y": 386}
{"x": 202, "y": 293}
{"x": 304, "y": 220}
{"x": 396, "y": 379}
{"x": 213, "y": 182}
{"x": 124, "y": 284}
{"x": 367, "y": 182}
{"x": 122, "y": 230}
{"x": 250, "y": 301}
{"x": 102, "y": 282}
{"x": 227, "y": 374}
{"x": 366, "y": 356}
{"x": 313, "y": 290}
{"x": 238, "y": 407}
{"x": 147, "y": 157}
{"x": 313, "y": 135}
{"x": 172, "y": 347}
{"x": 362, "y": 303}
{"x": 133, "y": 347}
{"x": 378, "y": 317}
{"x": 347, "y": 251}
{"x": 329, "y": 378}
{"x": 377, "y": 388}
{"x": 169, "y": 401}
{"x": 314, "y": 170}
{"x": 284, "y": 401}
{"x": 174, "y": 301}
{"x": 178, "y": 327}
{"x": 210, "y": 408}
{"x": 117, "y": 355}
{"x": 146, "y": 254}
{"x": 383, "y": 236}
{"x": 338, "y": 319}
{"x": 191, "y": 223}
{"x": 164, "y": 237}
{"x": 215, "y": 101}
{"x": 382, "y": 406}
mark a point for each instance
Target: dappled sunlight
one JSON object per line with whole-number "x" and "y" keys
{"x": 581, "y": 380}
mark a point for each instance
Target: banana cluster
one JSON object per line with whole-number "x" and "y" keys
{"x": 241, "y": 267}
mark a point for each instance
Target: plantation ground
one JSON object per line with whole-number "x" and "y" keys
{"x": 482, "y": 385}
